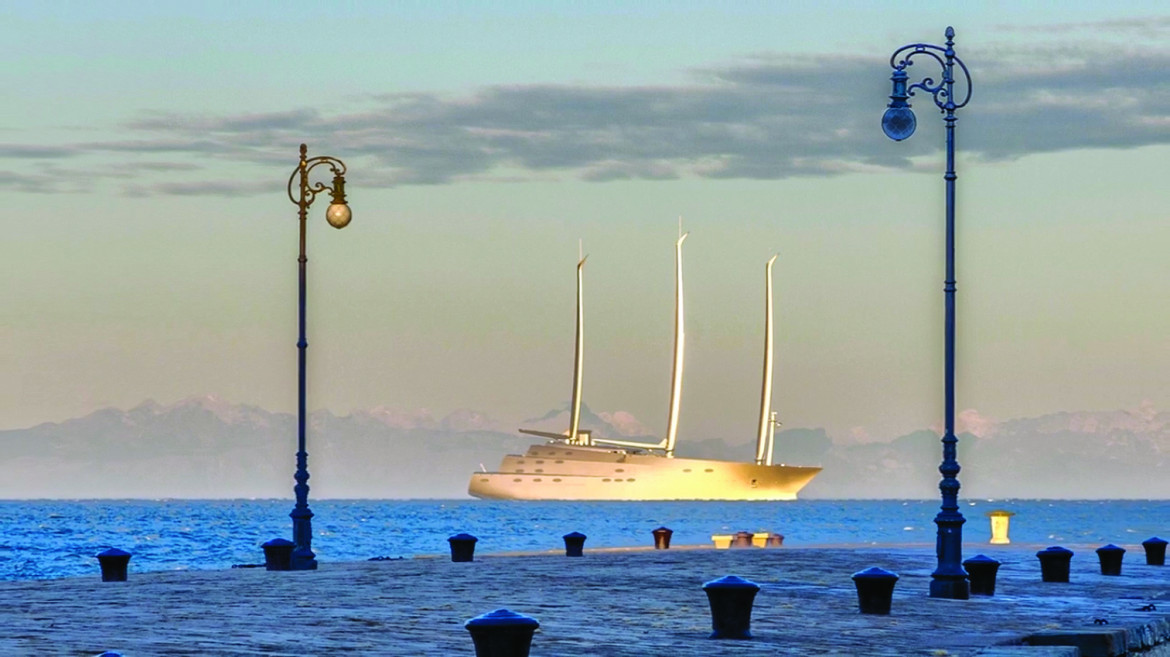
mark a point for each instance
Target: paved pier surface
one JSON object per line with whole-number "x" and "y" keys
{"x": 637, "y": 603}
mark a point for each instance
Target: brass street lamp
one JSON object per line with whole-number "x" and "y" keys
{"x": 302, "y": 193}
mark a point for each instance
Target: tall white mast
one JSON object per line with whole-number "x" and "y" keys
{"x": 578, "y": 351}
{"x": 763, "y": 441}
{"x": 679, "y": 341}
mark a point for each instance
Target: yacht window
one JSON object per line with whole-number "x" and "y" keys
{"x": 620, "y": 470}
{"x": 708, "y": 470}
{"x": 553, "y": 480}
{"x": 686, "y": 469}
{"x": 517, "y": 479}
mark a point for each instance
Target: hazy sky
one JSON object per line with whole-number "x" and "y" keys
{"x": 149, "y": 246}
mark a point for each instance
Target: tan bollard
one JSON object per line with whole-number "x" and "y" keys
{"x": 999, "y": 526}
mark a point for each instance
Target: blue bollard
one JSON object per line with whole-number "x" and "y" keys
{"x": 502, "y": 633}
{"x": 114, "y": 563}
{"x": 1155, "y": 551}
{"x": 574, "y": 544}
{"x": 731, "y": 601}
{"x": 1054, "y": 563}
{"x": 278, "y": 554}
{"x": 1110, "y": 557}
{"x": 462, "y": 547}
{"x": 875, "y": 590}
{"x": 981, "y": 572}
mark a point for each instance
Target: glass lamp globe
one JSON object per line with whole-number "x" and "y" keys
{"x": 898, "y": 122}
{"x": 338, "y": 215}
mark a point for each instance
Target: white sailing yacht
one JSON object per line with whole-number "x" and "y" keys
{"x": 577, "y": 466}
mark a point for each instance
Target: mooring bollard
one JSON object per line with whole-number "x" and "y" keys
{"x": 999, "y": 526}
{"x": 875, "y": 590}
{"x": 1054, "y": 563}
{"x": 502, "y": 633}
{"x": 462, "y": 547}
{"x": 742, "y": 540}
{"x": 278, "y": 554}
{"x": 574, "y": 544}
{"x": 1155, "y": 551}
{"x": 981, "y": 572}
{"x": 731, "y": 601}
{"x": 114, "y": 563}
{"x": 1110, "y": 557}
{"x": 662, "y": 538}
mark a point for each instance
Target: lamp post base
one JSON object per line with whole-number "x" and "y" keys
{"x": 303, "y": 560}
{"x": 303, "y": 557}
{"x": 953, "y": 587}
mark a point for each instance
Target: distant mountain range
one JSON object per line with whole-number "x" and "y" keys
{"x": 208, "y": 448}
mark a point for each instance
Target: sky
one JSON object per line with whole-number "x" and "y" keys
{"x": 149, "y": 245}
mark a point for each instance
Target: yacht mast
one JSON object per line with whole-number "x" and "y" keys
{"x": 771, "y": 438}
{"x": 763, "y": 442}
{"x": 679, "y": 340}
{"x": 578, "y": 353}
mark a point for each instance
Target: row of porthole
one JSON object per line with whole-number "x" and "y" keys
{"x": 540, "y": 470}
{"x": 557, "y": 480}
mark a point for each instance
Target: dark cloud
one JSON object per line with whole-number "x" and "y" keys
{"x": 22, "y": 182}
{"x": 1150, "y": 26}
{"x": 202, "y": 188}
{"x": 30, "y": 151}
{"x": 765, "y": 118}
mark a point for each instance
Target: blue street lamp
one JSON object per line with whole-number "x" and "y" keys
{"x": 338, "y": 216}
{"x": 949, "y": 580}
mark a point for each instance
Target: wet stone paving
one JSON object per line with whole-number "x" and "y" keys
{"x": 620, "y": 602}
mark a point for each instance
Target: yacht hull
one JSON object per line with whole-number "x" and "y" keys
{"x": 557, "y": 471}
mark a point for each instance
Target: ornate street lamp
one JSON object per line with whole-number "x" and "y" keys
{"x": 338, "y": 216}
{"x": 949, "y": 580}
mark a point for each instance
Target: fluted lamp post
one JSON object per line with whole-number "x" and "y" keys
{"x": 949, "y": 580}
{"x": 302, "y": 193}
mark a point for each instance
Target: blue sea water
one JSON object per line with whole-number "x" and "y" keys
{"x": 53, "y": 538}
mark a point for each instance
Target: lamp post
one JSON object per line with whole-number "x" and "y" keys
{"x": 302, "y": 193}
{"x": 949, "y": 580}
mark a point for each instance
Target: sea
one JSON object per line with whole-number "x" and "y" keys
{"x": 43, "y": 539}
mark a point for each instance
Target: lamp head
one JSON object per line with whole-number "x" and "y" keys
{"x": 899, "y": 122}
{"x": 338, "y": 215}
